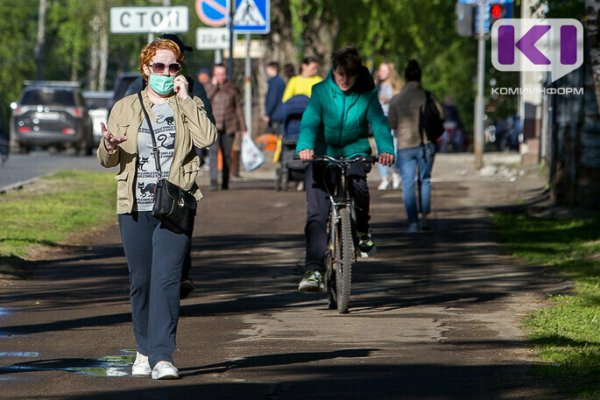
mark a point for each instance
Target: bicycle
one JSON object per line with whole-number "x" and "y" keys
{"x": 342, "y": 239}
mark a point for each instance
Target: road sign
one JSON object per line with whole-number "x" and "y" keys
{"x": 213, "y": 12}
{"x": 252, "y": 16}
{"x": 212, "y": 38}
{"x": 258, "y": 49}
{"x": 149, "y": 19}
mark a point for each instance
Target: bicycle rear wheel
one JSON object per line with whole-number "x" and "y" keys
{"x": 344, "y": 270}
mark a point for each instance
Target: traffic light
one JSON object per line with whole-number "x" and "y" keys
{"x": 500, "y": 10}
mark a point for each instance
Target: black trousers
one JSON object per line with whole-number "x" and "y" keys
{"x": 318, "y": 179}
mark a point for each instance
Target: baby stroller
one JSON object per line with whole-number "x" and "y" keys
{"x": 290, "y": 115}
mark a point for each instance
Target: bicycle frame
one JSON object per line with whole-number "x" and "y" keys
{"x": 342, "y": 239}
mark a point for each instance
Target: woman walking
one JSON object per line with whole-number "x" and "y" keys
{"x": 388, "y": 85}
{"x": 154, "y": 253}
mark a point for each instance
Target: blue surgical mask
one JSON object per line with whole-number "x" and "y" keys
{"x": 161, "y": 84}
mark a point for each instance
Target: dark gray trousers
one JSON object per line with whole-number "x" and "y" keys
{"x": 155, "y": 257}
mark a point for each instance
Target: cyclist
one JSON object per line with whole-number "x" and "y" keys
{"x": 336, "y": 123}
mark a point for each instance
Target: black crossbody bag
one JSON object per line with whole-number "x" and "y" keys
{"x": 174, "y": 206}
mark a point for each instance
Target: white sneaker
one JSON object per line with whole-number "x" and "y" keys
{"x": 396, "y": 181}
{"x": 384, "y": 185}
{"x": 165, "y": 370}
{"x": 141, "y": 366}
{"x": 413, "y": 227}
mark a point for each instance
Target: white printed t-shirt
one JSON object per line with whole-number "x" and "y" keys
{"x": 147, "y": 174}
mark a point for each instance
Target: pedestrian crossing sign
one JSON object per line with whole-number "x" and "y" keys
{"x": 252, "y": 16}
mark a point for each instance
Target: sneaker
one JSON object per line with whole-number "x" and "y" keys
{"x": 396, "y": 181}
{"x": 312, "y": 282}
{"x": 165, "y": 370}
{"x": 384, "y": 185}
{"x": 141, "y": 366}
{"x": 413, "y": 227}
{"x": 365, "y": 242}
{"x": 187, "y": 286}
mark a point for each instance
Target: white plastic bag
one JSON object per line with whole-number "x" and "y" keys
{"x": 252, "y": 157}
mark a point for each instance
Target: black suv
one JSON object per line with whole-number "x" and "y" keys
{"x": 51, "y": 114}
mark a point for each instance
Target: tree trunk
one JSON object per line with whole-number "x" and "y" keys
{"x": 103, "y": 56}
{"x": 94, "y": 53}
{"x": 593, "y": 39}
{"x": 321, "y": 31}
{"x": 38, "y": 52}
{"x": 280, "y": 42}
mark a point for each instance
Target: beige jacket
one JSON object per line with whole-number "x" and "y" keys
{"x": 404, "y": 115}
{"x": 193, "y": 128}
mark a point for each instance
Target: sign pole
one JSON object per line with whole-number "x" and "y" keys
{"x": 230, "y": 60}
{"x": 479, "y": 100}
{"x": 248, "y": 88}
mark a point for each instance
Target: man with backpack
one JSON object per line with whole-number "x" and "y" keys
{"x": 418, "y": 120}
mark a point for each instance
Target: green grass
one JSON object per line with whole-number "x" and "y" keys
{"x": 53, "y": 208}
{"x": 567, "y": 332}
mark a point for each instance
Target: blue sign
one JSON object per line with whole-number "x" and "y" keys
{"x": 252, "y": 16}
{"x": 213, "y": 12}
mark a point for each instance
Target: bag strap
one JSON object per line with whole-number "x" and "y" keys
{"x": 421, "y": 123}
{"x": 154, "y": 146}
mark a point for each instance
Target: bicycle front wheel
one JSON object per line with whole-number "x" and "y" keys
{"x": 344, "y": 270}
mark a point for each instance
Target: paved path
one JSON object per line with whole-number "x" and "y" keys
{"x": 433, "y": 316}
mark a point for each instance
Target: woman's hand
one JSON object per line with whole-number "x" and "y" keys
{"x": 306, "y": 155}
{"x": 180, "y": 85}
{"x": 385, "y": 159}
{"x": 111, "y": 141}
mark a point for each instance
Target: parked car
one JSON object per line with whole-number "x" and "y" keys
{"x": 98, "y": 103}
{"x": 51, "y": 114}
{"x": 121, "y": 85}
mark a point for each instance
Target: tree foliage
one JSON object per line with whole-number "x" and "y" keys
{"x": 390, "y": 30}
{"x": 395, "y": 31}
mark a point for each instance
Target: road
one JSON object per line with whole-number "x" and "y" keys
{"x": 433, "y": 316}
{"x": 23, "y": 167}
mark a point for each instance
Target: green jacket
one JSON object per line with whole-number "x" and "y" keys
{"x": 336, "y": 123}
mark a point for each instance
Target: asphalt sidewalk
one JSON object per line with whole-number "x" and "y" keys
{"x": 433, "y": 316}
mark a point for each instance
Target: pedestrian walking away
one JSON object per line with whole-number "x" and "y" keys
{"x": 275, "y": 88}
{"x": 415, "y": 152}
{"x": 388, "y": 85}
{"x": 336, "y": 123}
{"x": 155, "y": 254}
{"x": 229, "y": 119}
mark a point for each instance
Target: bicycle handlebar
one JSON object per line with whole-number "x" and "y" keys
{"x": 341, "y": 160}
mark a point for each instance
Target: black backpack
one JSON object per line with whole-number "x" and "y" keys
{"x": 430, "y": 119}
